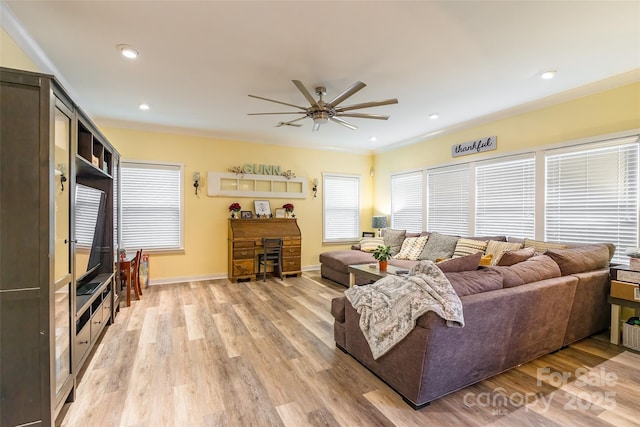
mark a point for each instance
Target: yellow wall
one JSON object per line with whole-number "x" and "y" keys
{"x": 606, "y": 112}
{"x": 205, "y": 222}
{"x": 12, "y": 56}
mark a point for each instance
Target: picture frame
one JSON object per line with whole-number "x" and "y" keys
{"x": 246, "y": 214}
{"x": 262, "y": 207}
{"x": 368, "y": 234}
{"x": 280, "y": 213}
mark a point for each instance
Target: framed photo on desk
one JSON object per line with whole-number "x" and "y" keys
{"x": 262, "y": 207}
{"x": 246, "y": 214}
{"x": 280, "y": 213}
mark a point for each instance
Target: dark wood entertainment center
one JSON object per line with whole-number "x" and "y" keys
{"x": 57, "y": 291}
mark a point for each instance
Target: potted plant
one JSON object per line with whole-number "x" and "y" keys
{"x": 288, "y": 207}
{"x": 382, "y": 254}
{"x": 234, "y": 208}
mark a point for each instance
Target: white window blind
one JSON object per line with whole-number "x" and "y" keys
{"x": 505, "y": 198}
{"x": 151, "y": 204}
{"x": 341, "y": 206}
{"x": 407, "y": 197}
{"x": 87, "y": 207}
{"x": 448, "y": 200}
{"x": 592, "y": 195}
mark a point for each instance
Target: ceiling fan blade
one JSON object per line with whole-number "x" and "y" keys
{"x": 347, "y": 93}
{"x": 277, "y": 102}
{"x": 263, "y": 114}
{"x": 367, "y": 105}
{"x": 343, "y": 123}
{"x": 292, "y": 122}
{"x": 363, "y": 116}
{"x": 305, "y": 92}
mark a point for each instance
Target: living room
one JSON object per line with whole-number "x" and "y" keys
{"x": 604, "y": 109}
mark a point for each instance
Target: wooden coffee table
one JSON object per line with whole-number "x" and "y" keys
{"x": 372, "y": 273}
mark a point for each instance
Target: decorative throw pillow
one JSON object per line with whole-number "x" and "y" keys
{"x": 411, "y": 248}
{"x": 541, "y": 246}
{"x": 466, "y": 247}
{"x": 394, "y": 238}
{"x": 464, "y": 263}
{"x": 369, "y": 244}
{"x": 439, "y": 246}
{"x": 516, "y": 256}
{"x": 496, "y": 249}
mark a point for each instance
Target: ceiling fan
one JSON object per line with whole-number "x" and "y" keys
{"x": 321, "y": 112}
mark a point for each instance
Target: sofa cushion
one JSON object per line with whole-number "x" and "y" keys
{"x": 411, "y": 248}
{"x": 439, "y": 246}
{"x": 465, "y": 263}
{"x": 487, "y": 238}
{"x": 466, "y": 247}
{"x": 341, "y": 260}
{"x": 474, "y": 282}
{"x": 541, "y": 246}
{"x": 394, "y": 238}
{"x": 539, "y": 267}
{"x": 369, "y": 244}
{"x": 497, "y": 248}
{"x": 580, "y": 259}
{"x": 516, "y": 256}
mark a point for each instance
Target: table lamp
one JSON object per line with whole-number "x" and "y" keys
{"x": 379, "y": 222}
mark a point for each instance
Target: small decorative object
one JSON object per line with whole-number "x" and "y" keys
{"x": 634, "y": 258}
{"x": 262, "y": 207}
{"x": 288, "y": 174}
{"x": 288, "y": 207}
{"x": 382, "y": 254}
{"x": 280, "y": 213}
{"x": 234, "y": 208}
{"x": 246, "y": 214}
{"x": 236, "y": 169}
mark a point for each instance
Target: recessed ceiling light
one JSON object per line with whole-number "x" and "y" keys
{"x": 373, "y": 139}
{"x": 144, "y": 107}
{"x": 433, "y": 116}
{"x": 549, "y": 74}
{"x": 127, "y": 51}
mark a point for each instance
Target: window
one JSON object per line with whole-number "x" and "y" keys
{"x": 341, "y": 208}
{"x": 505, "y": 198}
{"x": 151, "y": 204}
{"x": 406, "y": 201}
{"x": 592, "y": 194}
{"x": 448, "y": 200}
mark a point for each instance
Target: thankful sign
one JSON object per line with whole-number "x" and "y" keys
{"x": 478, "y": 146}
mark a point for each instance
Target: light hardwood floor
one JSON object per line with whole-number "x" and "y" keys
{"x": 262, "y": 354}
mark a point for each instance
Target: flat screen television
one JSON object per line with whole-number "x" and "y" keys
{"x": 90, "y": 205}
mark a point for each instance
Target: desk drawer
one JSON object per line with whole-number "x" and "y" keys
{"x": 246, "y": 244}
{"x": 290, "y": 264}
{"x": 288, "y": 251}
{"x": 243, "y": 253}
{"x": 242, "y": 267}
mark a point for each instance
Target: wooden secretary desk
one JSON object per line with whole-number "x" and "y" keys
{"x": 245, "y": 242}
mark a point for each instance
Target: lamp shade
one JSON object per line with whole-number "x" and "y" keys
{"x": 379, "y": 222}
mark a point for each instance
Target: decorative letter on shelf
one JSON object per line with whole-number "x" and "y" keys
{"x": 250, "y": 185}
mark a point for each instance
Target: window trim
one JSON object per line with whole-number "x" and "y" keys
{"x": 173, "y": 250}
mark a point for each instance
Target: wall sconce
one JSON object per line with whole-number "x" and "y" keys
{"x": 196, "y": 181}
{"x": 61, "y": 171}
{"x": 315, "y": 187}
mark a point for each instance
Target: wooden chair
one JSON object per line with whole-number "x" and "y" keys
{"x": 133, "y": 279}
{"x": 272, "y": 254}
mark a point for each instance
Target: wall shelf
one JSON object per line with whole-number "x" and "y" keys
{"x": 256, "y": 186}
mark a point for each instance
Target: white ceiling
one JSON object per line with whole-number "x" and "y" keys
{"x": 199, "y": 60}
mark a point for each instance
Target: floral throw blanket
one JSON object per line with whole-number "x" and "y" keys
{"x": 390, "y": 307}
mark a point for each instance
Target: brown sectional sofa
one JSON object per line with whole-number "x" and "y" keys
{"x": 541, "y": 305}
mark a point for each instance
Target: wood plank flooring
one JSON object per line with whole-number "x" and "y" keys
{"x": 262, "y": 354}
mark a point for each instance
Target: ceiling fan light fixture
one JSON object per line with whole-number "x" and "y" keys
{"x": 320, "y": 118}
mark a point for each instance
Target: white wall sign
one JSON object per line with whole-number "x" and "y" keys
{"x": 478, "y": 146}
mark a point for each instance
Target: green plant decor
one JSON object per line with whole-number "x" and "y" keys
{"x": 382, "y": 253}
